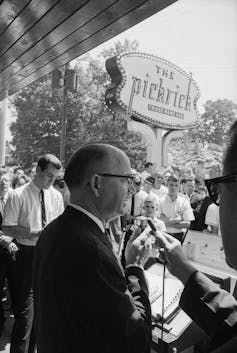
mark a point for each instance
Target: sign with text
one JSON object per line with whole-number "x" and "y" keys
{"x": 152, "y": 90}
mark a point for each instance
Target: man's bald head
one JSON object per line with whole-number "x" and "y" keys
{"x": 90, "y": 159}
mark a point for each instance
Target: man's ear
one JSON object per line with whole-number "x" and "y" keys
{"x": 95, "y": 183}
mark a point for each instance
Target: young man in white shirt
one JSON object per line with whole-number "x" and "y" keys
{"x": 159, "y": 189}
{"x": 28, "y": 210}
{"x": 212, "y": 219}
{"x": 147, "y": 172}
{"x": 175, "y": 210}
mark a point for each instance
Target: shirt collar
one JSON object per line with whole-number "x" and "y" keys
{"x": 170, "y": 199}
{"x": 34, "y": 187}
{"x": 90, "y": 215}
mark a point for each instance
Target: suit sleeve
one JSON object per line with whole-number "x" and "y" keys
{"x": 114, "y": 307}
{"x": 212, "y": 308}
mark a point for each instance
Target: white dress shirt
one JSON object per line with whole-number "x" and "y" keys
{"x": 23, "y": 208}
{"x": 144, "y": 175}
{"x": 180, "y": 207}
{"x": 212, "y": 216}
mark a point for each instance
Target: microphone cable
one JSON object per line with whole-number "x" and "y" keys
{"x": 163, "y": 308}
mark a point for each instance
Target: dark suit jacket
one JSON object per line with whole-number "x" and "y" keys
{"x": 213, "y": 309}
{"x": 200, "y": 211}
{"x": 83, "y": 301}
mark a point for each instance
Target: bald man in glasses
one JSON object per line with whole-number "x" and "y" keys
{"x": 84, "y": 301}
{"x": 212, "y": 308}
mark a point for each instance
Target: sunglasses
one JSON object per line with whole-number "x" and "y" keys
{"x": 213, "y": 186}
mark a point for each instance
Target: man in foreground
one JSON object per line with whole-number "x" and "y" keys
{"x": 83, "y": 300}
{"x": 212, "y": 308}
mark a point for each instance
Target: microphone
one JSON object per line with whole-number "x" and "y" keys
{"x": 151, "y": 224}
{"x": 154, "y": 230}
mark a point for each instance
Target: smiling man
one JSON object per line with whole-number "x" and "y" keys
{"x": 28, "y": 209}
{"x": 84, "y": 302}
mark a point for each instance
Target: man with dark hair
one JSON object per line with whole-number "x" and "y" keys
{"x": 175, "y": 209}
{"x": 148, "y": 170}
{"x": 195, "y": 200}
{"x": 28, "y": 209}
{"x": 84, "y": 302}
{"x": 212, "y": 308}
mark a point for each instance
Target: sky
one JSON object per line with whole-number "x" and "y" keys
{"x": 200, "y": 36}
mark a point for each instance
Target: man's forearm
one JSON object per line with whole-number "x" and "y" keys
{"x": 182, "y": 224}
{"x": 18, "y": 232}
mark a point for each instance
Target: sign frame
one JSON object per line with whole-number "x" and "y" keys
{"x": 119, "y": 80}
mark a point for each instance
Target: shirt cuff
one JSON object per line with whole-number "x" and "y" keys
{"x": 134, "y": 265}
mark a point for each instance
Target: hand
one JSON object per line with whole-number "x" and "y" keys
{"x": 130, "y": 218}
{"x": 5, "y": 241}
{"x": 139, "y": 247}
{"x": 177, "y": 263}
{"x": 163, "y": 217}
{"x": 12, "y": 248}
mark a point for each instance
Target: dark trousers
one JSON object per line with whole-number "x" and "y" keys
{"x": 5, "y": 264}
{"x": 20, "y": 287}
{"x": 180, "y": 236}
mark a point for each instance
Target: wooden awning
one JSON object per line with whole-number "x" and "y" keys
{"x": 37, "y": 36}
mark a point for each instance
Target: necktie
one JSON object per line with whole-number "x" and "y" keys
{"x": 43, "y": 212}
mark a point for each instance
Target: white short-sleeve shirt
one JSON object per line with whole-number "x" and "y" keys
{"x": 23, "y": 208}
{"x": 212, "y": 216}
{"x": 172, "y": 209}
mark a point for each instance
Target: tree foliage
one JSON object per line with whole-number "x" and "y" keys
{"x": 214, "y": 123}
{"x": 39, "y": 110}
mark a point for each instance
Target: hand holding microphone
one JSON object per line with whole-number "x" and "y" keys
{"x": 171, "y": 251}
{"x": 139, "y": 246}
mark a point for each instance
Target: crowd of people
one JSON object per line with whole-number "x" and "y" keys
{"x": 180, "y": 203}
{"x": 74, "y": 262}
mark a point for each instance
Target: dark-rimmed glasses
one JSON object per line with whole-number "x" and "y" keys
{"x": 213, "y": 187}
{"x": 130, "y": 177}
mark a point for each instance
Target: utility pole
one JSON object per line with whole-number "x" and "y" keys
{"x": 63, "y": 122}
{"x": 68, "y": 80}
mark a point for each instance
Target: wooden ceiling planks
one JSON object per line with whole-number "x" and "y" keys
{"x": 55, "y": 42}
{"x": 9, "y": 10}
{"x": 62, "y": 31}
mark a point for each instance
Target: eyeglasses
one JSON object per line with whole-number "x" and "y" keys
{"x": 129, "y": 177}
{"x": 213, "y": 187}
